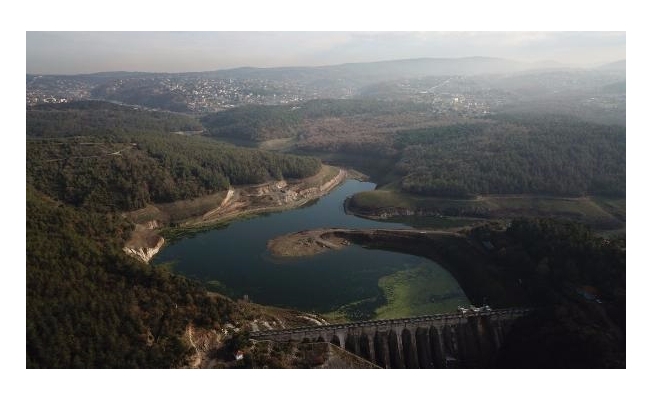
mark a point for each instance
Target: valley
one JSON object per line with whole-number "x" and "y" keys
{"x": 338, "y": 197}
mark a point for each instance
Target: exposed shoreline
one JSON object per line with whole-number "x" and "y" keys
{"x": 386, "y": 204}
{"x": 305, "y": 243}
{"x": 238, "y": 202}
{"x": 269, "y": 197}
{"x": 455, "y": 251}
{"x": 310, "y": 242}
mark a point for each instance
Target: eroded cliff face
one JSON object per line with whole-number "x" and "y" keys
{"x": 145, "y": 253}
{"x": 144, "y": 242}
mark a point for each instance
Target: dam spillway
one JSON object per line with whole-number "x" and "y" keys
{"x": 467, "y": 339}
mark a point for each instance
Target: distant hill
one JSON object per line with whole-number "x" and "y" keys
{"x": 620, "y": 65}
{"x": 618, "y": 87}
{"x": 213, "y": 91}
{"x": 106, "y": 157}
{"x": 368, "y": 72}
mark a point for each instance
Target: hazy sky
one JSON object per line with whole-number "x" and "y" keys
{"x": 86, "y": 52}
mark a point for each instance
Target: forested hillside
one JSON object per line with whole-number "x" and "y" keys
{"x": 89, "y": 305}
{"x": 148, "y": 91}
{"x": 95, "y": 118}
{"x": 578, "y": 282}
{"x": 259, "y": 123}
{"x": 110, "y": 159}
{"x": 254, "y": 122}
{"x": 514, "y": 154}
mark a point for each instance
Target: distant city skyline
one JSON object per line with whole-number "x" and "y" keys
{"x": 90, "y": 52}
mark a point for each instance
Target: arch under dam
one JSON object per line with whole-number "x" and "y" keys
{"x": 467, "y": 339}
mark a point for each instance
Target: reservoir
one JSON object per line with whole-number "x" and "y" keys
{"x": 234, "y": 260}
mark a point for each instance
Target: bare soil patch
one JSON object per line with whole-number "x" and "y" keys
{"x": 305, "y": 243}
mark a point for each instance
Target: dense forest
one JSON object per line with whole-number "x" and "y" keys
{"x": 524, "y": 153}
{"x": 122, "y": 162}
{"x": 259, "y": 123}
{"x": 254, "y": 122}
{"x": 577, "y": 282}
{"x": 89, "y": 305}
{"x": 514, "y": 154}
{"x": 99, "y": 118}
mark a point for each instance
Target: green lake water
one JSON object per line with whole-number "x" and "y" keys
{"x": 236, "y": 262}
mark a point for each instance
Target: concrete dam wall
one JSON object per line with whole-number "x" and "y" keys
{"x": 459, "y": 340}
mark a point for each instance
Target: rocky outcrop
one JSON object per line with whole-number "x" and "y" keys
{"x": 144, "y": 242}
{"x": 145, "y": 253}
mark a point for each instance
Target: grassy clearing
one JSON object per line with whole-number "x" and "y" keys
{"x": 324, "y": 175}
{"x": 423, "y": 290}
{"x": 582, "y": 209}
{"x": 615, "y": 206}
{"x": 283, "y": 144}
{"x": 185, "y": 209}
{"x": 177, "y": 211}
{"x": 382, "y": 199}
{"x": 393, "y": 185}
{"x": 571, "y": 206}
{"x": 329, "y": 172}
{"x": 598, "y": 212}
{"x": 376, "y": 199}
{"x": 146, "y": 214}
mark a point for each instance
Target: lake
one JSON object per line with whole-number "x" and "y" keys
{"x": 234, "y": 260}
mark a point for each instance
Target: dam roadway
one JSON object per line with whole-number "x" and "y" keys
{"x": 468, "y": 339}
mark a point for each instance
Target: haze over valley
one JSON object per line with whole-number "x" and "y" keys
{"x": 424, "y": 212}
